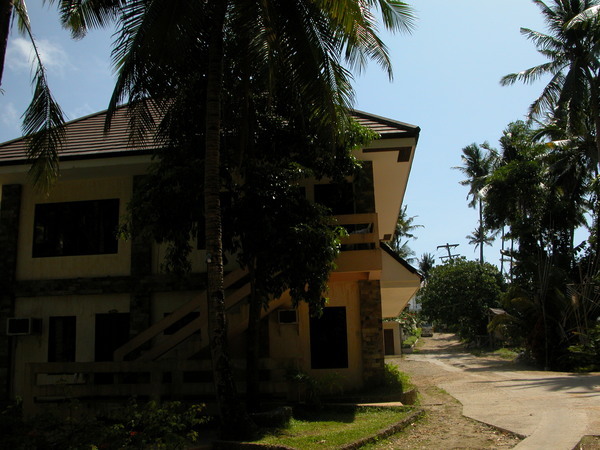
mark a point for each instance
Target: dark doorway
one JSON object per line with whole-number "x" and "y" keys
{"x": 388, "y": 341}
{"x": 112, "y": 331}
{"x": 61, "y": 338}
{"x": 329, "y": 339}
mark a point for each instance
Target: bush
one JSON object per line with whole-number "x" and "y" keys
{"x": 170, "y": 425}
{"x": 394, "y": 379}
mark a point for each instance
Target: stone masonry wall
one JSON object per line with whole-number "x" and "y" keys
{"x": 372, "y": 332}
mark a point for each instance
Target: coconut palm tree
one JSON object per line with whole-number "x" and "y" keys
{"x": 574, "y": 68}
{"x": 478, "y": 239}
{"x": 477, "y": 166}
{"x": 405, "y": 228}
{"x": 301, "y": 45}
{"x": 426, "y": 263}
{"x": 43, "y": 118}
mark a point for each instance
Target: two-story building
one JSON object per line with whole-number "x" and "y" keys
{"x": 83, "y": 314}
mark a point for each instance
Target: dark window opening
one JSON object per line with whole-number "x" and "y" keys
{"x": 338, "y": 197}
{"x": 329, "y": 339}
{"x": 61, "y": 338}
{"x": 76, "y": 228}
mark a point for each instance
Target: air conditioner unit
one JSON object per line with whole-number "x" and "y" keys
{"x": 287, "y": 316}
{"x": 22, "y": 326}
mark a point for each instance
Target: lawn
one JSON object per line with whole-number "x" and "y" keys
{"x": 334, "y": 427}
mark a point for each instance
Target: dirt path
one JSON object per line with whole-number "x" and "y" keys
{"x": 444, "y": 426}
{"x": 552, "y": 409}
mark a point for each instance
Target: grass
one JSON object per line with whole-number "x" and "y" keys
{"x": 504, "y": 352}
{"x": 507, "y": 353}
{"x": 334, "y": 427}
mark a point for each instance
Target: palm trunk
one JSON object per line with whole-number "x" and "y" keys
{"x": 6, "y": 7}
{"x": 481, "y": 235}
{"x": 235, "y": 422}
{"x": 253, "y": 349}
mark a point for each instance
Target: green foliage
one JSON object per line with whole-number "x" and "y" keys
{"x": 169, "y": 425}
{"x": 459, "y": 293}
{"x": 585, "y": 357}
{"x": 395, "y": 380}
{"x": 408, "y": 321}
{"x": 312, "y": 389}
{"x": 412, "y": 339}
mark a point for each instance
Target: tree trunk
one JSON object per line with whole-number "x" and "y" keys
{"x": 253, "y": 350}
{"x": 6, "y": 7}
{"x": 235, "y": 422}
{"x": 481, "y": 235}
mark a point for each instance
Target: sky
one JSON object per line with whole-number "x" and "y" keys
{"x": 446, "y": 81}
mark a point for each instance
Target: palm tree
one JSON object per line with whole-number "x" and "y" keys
{"x": 43, "y": 118}
{"x": 572, "y": 50}
{"x": 477, "y": 166}
{"x": 426, "y": 263}
{"x": 299, "y": 44}
{"x": 479, "y": 238}
{"x": 405, "y": 228}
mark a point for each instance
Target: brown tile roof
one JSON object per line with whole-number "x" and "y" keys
{"x": 86, "y": 139}
{"x": 387, "y": 128}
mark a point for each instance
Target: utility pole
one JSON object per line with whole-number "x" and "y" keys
{"x": 448, "y": 247}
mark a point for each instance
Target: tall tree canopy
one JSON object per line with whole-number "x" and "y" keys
{"x": 167, "y": 49}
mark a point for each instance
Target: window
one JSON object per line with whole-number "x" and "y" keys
{"x": 329, "y": 339}
{"x": 338, "y": 197}
{"x": 61, "y": 338}
{"x": 76, "y": 228}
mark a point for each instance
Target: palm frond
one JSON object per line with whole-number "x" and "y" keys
{"x": 589, "y": 16}
{"x": 79, "y": 16}
{"x": 43, "y": 119}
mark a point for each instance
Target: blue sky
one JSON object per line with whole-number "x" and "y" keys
{"x": 446, "y": 81}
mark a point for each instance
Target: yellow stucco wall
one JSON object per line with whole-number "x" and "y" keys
{"x": 292, "y": 341}
{"x": 29, "y": 268}
{"x": 34, "y": 348}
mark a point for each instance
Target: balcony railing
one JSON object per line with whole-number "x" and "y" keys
{"x": 360, "y": 249}
{"x": 153, "y": 380}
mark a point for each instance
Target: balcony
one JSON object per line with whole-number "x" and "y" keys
{"x": 360, "y": 249}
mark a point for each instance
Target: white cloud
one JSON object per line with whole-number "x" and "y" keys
{"x": 20, "y": 55}
{"x": 10, "y": 119}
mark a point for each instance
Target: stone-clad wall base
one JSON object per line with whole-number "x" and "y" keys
{"x": 372, "y": 332}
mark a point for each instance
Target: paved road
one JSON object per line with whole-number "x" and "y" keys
{"x": 552, "y": 409}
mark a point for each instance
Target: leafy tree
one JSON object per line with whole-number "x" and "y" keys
{"x": 298, "y": 46}
{"x": 459, "y": 293}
